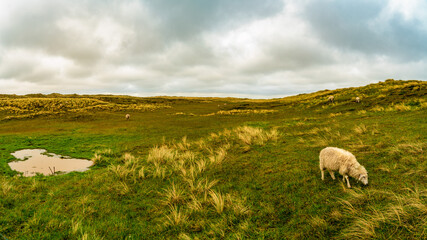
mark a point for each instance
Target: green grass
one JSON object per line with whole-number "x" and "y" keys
{"x": 221, "y": 168}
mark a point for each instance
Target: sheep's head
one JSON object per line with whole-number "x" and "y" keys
{"x": 363, "y": 175}
{"x": 363, "y": 178}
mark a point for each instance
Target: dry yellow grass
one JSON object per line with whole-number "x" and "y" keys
{"x": 336, "y": 215}
{"x": 32, "y": 107}
{"x": 361, "y": 112}
{"x": 248, "y": 137}
{"x": 201, "y": 165}
{"x": 122, "y": 172}
{"x": 377, "y": 109}
{"x": 299, "y": 124}
{"x": 173, "y": 195}
{"x": 231, "y": 112}
{"x": 194, "y": 204}
{"x": 401, "y": 107}
{"x": 175, "y": 217}
{"x": 142, "y": 173}
{"x": 317, "y": 222}
{"x": 128, "y": 158}
{"x": 183, "y": 145}
{"x": 217, "y": 200}
{"x": 253, "y": 135}
{"x": 246, "y": 111}
{"x": 159, "y": 171}
{"x": 220, "y": 155}
{"x": 76, "y": 226}
{"x": 184, "y": 236}
{"x": 162, "y": 154}
{"x": 195, "y": 193}
{"x": 331, "y": 115}
{"x": 238, "y": 205}
{"x": 97, "y": 158}
{"x": 123, "y": 188}
{"x": 398, "y": 214}
{"x": 361, "y": 129}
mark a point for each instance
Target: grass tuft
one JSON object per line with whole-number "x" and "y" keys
{"x": 173, "y": 195}
{"x": 161, "y": 155}
{"x": 120, "y": 171}
{"x": 361, "y": 129}
{"x": 217, "y": 200}
{"x": 406, "y": 213}
{"x": 175, "y": 216}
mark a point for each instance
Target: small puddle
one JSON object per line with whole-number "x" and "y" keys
{"x": 38, "y": 161}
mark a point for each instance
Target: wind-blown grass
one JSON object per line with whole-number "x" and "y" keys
{"x": 404, "y": 215}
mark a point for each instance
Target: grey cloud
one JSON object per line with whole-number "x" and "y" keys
{"x": 39, "y": 27}
{"x": 35, "y": 29}
{"x": 181, "y": 55}
{"x": 31, "y": 26}
{"x": 357, "y": 26}
{"x": 409, "y": 38}
{"x": 187, "y": 18}
{"x": 345, "y": 23}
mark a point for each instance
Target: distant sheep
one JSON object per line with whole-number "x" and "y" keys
{"x": 357, "y": 99}
{"x": 336, "y": 159}
{"x": 331, "y": 98}
{"x": 127, "y": 116}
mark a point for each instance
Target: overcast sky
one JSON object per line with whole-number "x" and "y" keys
{"x": 239, "y": 48}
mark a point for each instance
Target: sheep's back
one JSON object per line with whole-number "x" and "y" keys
{"x": 332, "y": 158}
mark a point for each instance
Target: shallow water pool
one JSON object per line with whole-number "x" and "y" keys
{"x": 38, "y": 161}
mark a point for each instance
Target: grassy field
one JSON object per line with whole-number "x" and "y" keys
{"x": 218, "y": 168}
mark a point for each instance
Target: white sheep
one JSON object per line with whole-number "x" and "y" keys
{"x": 127, "y": 116}
{"x": 336, "y": 159}
{"x": 331, "y": 98}
{"x": 357, "y": 99}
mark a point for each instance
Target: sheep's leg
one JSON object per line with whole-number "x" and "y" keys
{"x": 332, "y": 174}
{"x": 323, "y": 174}
{"x": 348, "y": 181}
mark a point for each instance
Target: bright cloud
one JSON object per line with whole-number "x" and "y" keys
{"x": 243, "y": 48}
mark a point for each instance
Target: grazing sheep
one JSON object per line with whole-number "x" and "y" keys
{"x": 331, "y": 98}
{"x": 127, "y": 116}
{"x": 357, "y": 99}
{"x": 336, "y": 159}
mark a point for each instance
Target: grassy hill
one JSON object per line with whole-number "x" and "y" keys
{"x": 218, "y": 168}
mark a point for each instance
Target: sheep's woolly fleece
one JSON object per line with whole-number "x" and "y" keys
{"x": 336, "y": 159}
